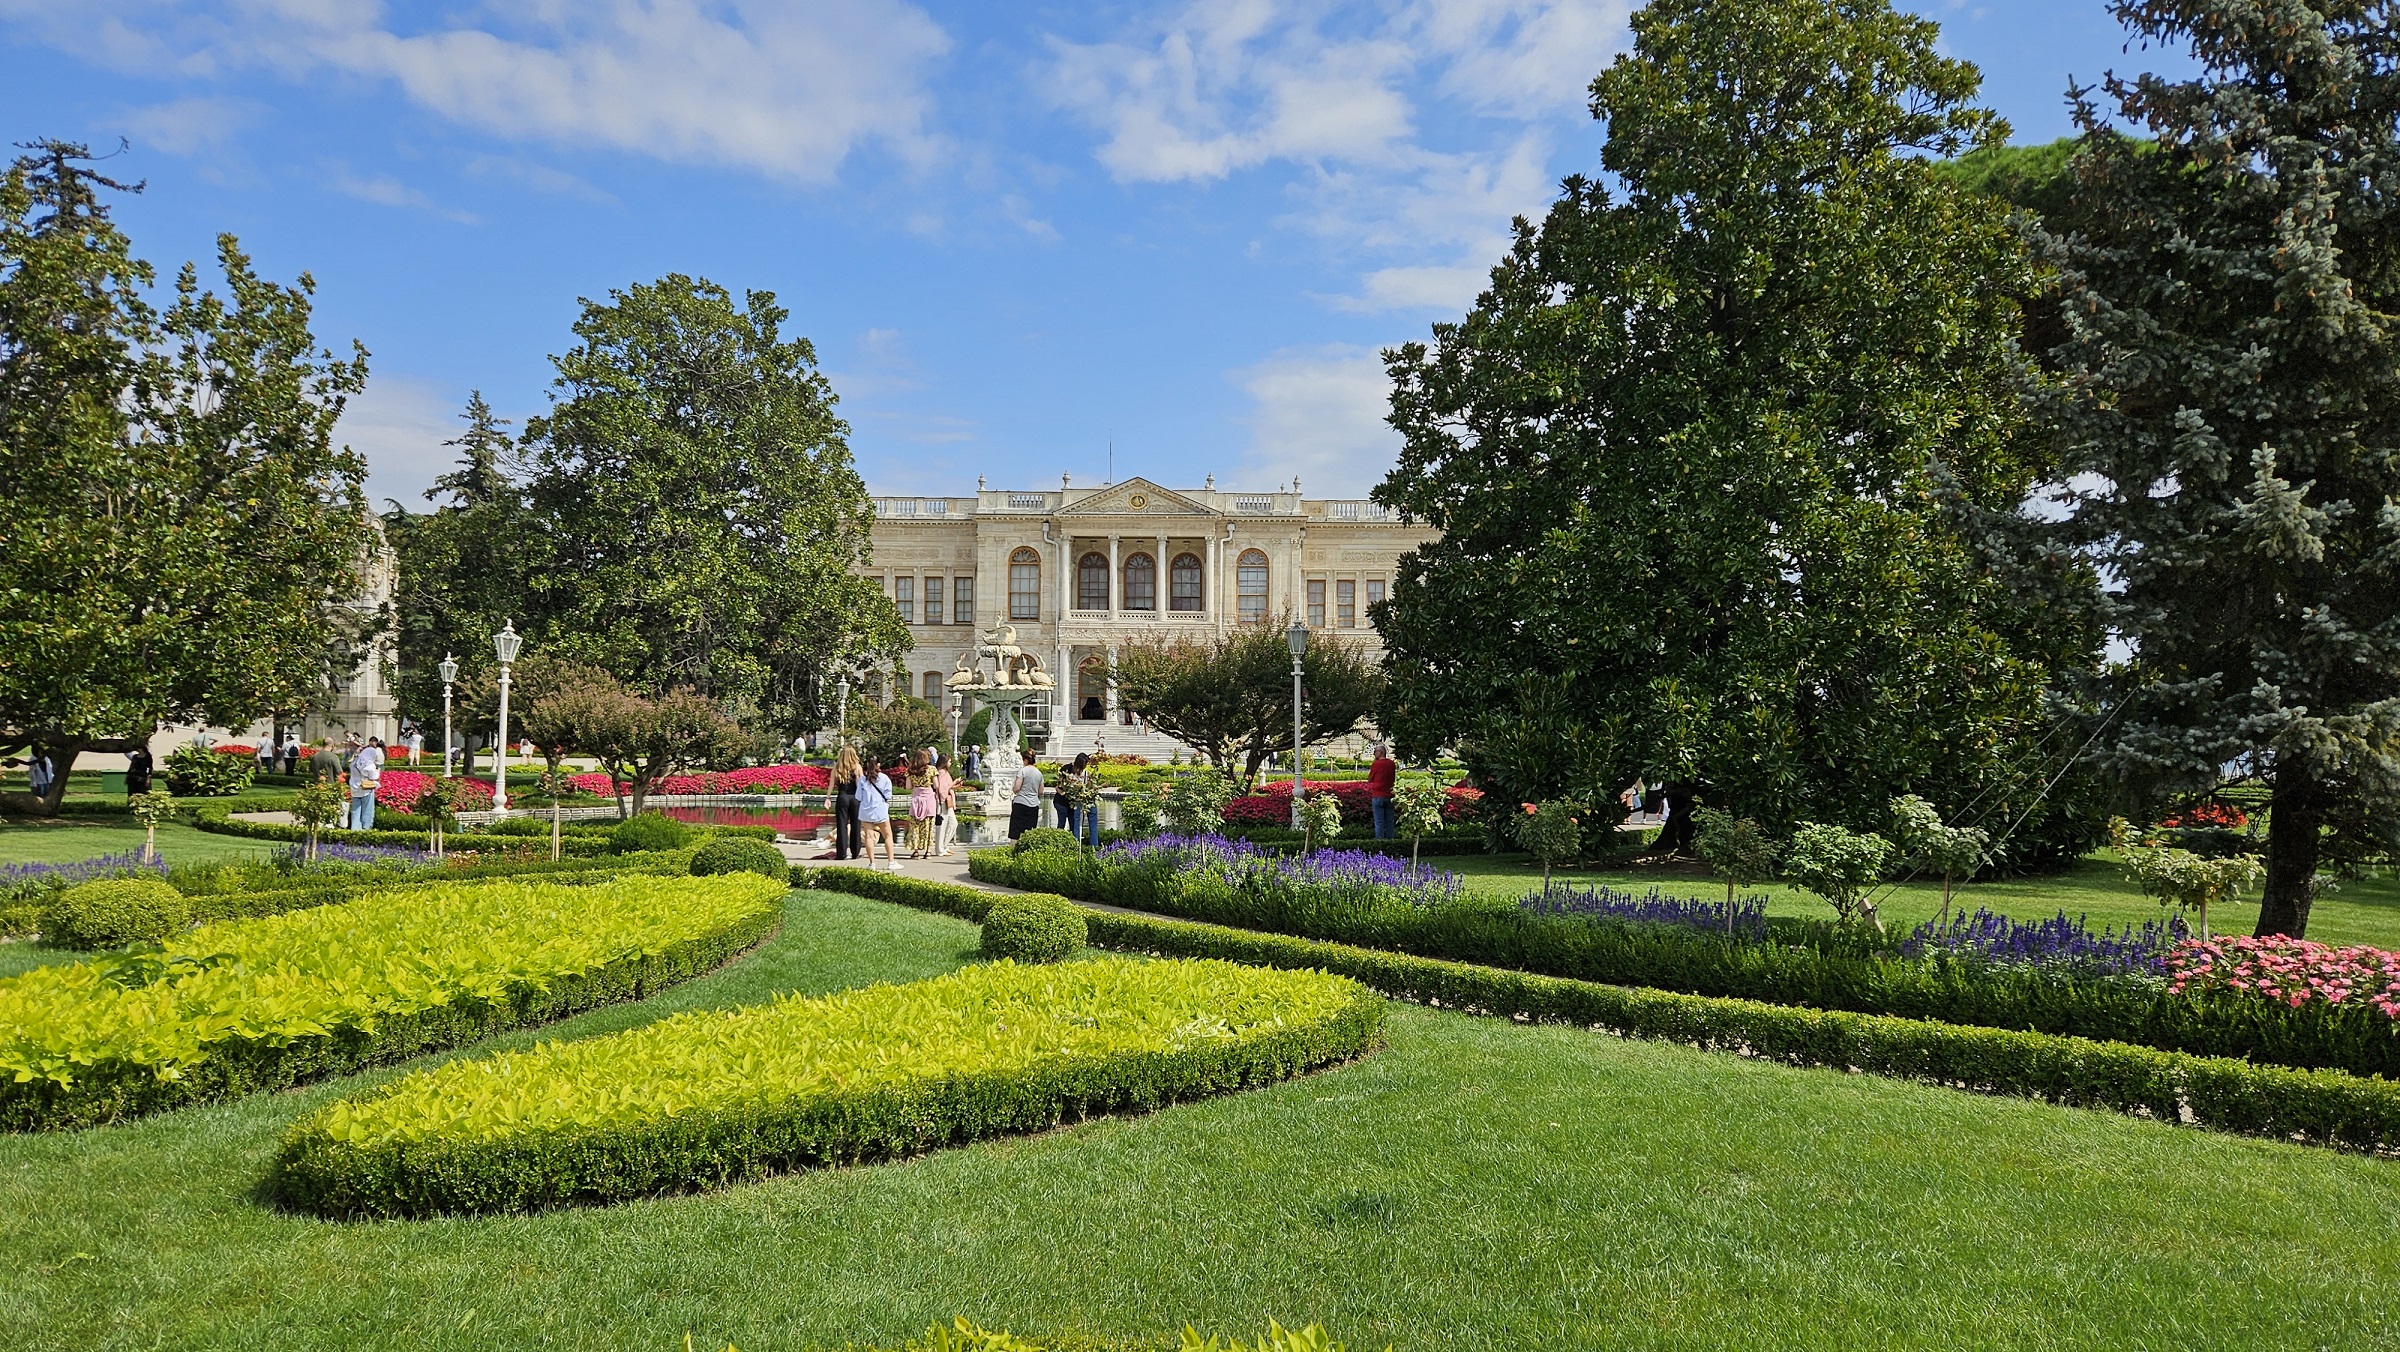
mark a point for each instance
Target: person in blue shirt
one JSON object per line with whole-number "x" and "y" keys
{"x": 875, "y": 812}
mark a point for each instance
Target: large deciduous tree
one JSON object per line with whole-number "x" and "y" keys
{"x": 180, "y": 525}
{"x": 2231, "y": 407}
{"x": 700, "y": 514}
{"x": 1230, "y": 698}
{"x": 1727, "y": 459}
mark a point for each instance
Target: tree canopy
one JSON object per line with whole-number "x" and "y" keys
{"x": 1727, "y": 459}
{"x": 181, "y": 524}
{"x": 1230, "y": 697}
{"x": 2229, "y": 415}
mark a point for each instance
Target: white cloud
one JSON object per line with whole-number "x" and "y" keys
{"x": 541, "y": 178}
{"x": 1225, "y": 87}
{"x": 399, "y": 425}
{"x": 786, "y": 89}
{"x": 385, "y": 190}
{"x": 1319, "y": 412}
{"x": 189, "y": 126}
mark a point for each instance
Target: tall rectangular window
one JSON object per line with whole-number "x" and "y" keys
{"x": 1250, "y": 586}
{"x": 933, "y": 600}
{"x": 1345, "y": 604}
{"x": 1186, "y": 583}
{"x": 904, "y": 598}
{"x": 933, "y": 679}
{"x": 1316, "y": 603}
{"x": 1024, "y": 585}
{"x": 1374, "y": 597}
{"x": 962, "y": 600}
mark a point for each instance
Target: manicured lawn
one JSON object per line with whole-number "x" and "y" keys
{"x": 70, "y": 839}
{"x": 1478, "y": 1184}
{"x": 2365, "y": 911}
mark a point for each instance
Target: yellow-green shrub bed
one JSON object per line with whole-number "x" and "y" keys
{"x": 244, "y": 1005}
{"x": 705, "y": 1099}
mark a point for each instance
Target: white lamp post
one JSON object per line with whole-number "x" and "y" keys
{"x": 448, "y": 667}
{"x": 504, "y": 646}
{"x": 841, "y": 714}
{"x": 1298, "y": 638}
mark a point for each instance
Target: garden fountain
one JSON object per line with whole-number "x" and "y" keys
{"x": 1002, "y": 675}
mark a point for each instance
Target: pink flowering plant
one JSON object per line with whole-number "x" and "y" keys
{"x": 2294, "y": 972}
{"x": 761, "y": 779}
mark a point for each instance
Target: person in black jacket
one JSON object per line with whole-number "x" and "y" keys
{"x": 849, "y": 837}
{"x": 138, "y": 769}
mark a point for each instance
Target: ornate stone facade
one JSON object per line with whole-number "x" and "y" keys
{"x": 1079, "y": 571}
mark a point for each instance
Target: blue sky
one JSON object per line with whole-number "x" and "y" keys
{"x": 1016, "y": 233}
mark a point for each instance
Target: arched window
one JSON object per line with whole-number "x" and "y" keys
{"x": 1250, "y": 587}
{"x": 1091, "y": 690}
{"x": 1091, "y": 582}
{"x": 1025, "y": 585}
{"x": 1141, "y": 583}
{"x": 1184, "y": 581}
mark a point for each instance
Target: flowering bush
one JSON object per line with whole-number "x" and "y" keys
{"x": 235, "y": 749}
{"x": 398, "y": 790}
{"x": 24, "y": 880}
{"x": 1339, "y": 879}
{"x": 2057, "y": 941}
{"x": 294, "y": 858}
{"x": 1745, "y": 920}
{"x": 2295, "y": 972}
{"x": 1275, "y": 808}
{"x": 749, "y": 779}
{"x": 2220, "y": 816}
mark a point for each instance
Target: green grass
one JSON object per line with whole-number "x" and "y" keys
{"x": 2364, "y": 911}
{"x": 68, "y": 839}
{"x": 1478, "y": 1184}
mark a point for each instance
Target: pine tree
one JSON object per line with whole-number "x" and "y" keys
{"x": 2231, "y": 411}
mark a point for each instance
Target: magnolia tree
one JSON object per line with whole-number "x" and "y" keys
{"x": 1840, "y": 865}
{"x": 1927, "y": 845}
{"x": 1737, "y": 849}
{"x": 1417, "y": 804}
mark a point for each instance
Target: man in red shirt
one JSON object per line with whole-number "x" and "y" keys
{"x": 1379, "y": 791}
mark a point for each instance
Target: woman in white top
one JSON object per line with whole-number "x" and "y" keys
{"x": 875, "y": 812}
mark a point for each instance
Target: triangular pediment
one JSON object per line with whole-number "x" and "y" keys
{"x": 1136, "y": 497}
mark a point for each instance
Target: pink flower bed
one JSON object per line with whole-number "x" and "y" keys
{"x": 749, "y": 779}
{"x": 2293, "y": 971}
{"x": 398, "y": 790}
{"x": 234, "y": 749}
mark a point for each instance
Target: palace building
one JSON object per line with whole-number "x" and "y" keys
{"x": 1079, "y": 571}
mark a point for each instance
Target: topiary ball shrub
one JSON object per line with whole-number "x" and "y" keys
{"x": 529, "y": 826}
{"x": 649, "y": 831}
{"x": 737, "y": 854}
{"x": 1033, "y": 929}
{"x": 114, "y": 912}
{"x": 1045, "y": 838}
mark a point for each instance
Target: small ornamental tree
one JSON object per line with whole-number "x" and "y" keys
{"x": 1196, "y": 799}
{"x": 1320, "y": 820}
{"x": 437, "y": 802}
{"x": 1926, "y": 844}
{"x": 150, "y": 809}
{"x": 1737, "y": 849}
{"x": 1840, "y": 865}
{"x": 2184, "y": 880}
{"x": 1417, "y": 803}
{"x": 1551, "y": 833}
{"x": 318, "y": 805}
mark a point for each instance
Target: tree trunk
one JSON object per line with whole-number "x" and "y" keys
{"x": 2295, "y": 842}
{"x": 62, "y": 756}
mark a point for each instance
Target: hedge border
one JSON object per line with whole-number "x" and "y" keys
{"x": 697, "y": 1151}
{"x": 218, "y": 823}
{"x": 115, "y": 1091}
{"x": 2325, "y": 1107}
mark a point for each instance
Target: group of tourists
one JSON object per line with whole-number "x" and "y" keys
{"x": 863, "y": 806}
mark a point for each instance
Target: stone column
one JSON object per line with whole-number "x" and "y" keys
{"x": 1162, "y": 580}
{"x": 1110, "y": 711}
{"x": 1115, "y": 582}
{"x": 1212, "y": 582}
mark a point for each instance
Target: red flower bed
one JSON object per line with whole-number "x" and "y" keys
{"x": 2222, "y": 816}
{"x": 2293, "y": 971}
{"x": 1274, "y": 808}
{"x": 234, "y": 749}
{"x": 398, "y": 790}
{"x": 749, "y": 779}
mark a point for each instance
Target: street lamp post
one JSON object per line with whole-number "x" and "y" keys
{"x": 1298, "y": 638}
{"x": 841, "y": 714}
{"x": 504, "y": 646}
{"x": 448, "y": 667}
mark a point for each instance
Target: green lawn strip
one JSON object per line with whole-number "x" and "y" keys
{"x": 2365, "y": 910}
{"x": 1476, "y": 1185}
{"x": 703, "y": 1100}
{"x": 70, "y": 840}
{"x": 2322, "y": 1106}
{"x": 277, "y": 1001}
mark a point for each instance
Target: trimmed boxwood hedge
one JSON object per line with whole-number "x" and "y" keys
{"x": 114, "y": 912}
{"x": 105, "y": 1086}
{"x": 215, "y": 820}
{"x": 1033, "y": 928}
{"x": 739, "y": 855}
{"x": 704, "y": 1099}
{"x": 1808, "y": 963}
{"x": 2326, "y": 1107}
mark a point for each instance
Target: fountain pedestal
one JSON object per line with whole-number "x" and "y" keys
{"x": 1012, "y": 677}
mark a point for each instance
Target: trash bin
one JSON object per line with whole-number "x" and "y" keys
{"x": 112, "y": 783}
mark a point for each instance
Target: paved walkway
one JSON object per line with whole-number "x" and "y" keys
{"x": 940, "y": 870}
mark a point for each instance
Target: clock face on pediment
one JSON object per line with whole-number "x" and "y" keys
{"x": 1136, "y": 497}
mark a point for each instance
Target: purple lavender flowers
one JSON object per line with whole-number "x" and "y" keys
{"x": 1334, "y": 873}
{"x": 18, "y": 880}
{"x": 1745, "y": 920}
{"x": 295, "y": 857}
{"x": 2056, "y": 942}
